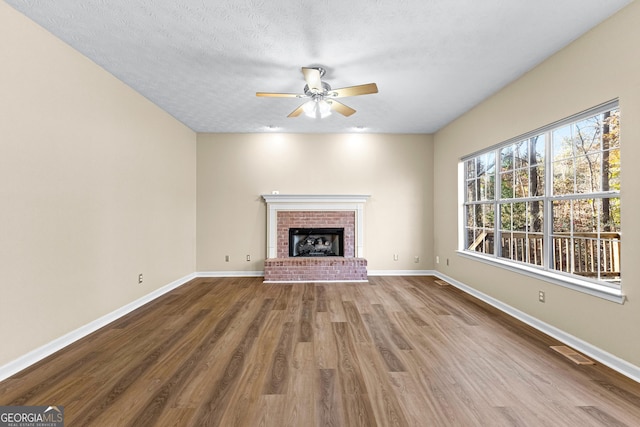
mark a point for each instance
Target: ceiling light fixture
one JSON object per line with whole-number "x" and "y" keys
{"x": 317, "y": 108}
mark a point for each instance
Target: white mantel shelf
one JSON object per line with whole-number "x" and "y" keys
{"x": 310, "y": 202}
{"x": 315, "y": 198}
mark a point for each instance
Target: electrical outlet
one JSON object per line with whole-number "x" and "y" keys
{"x": 248, "y": 257}
{"x": 447, "y": 261}
{"x": 416, "y": 259}
{"x": 226, "y": 258}
{"x": 541, "y": 296}
{"x": 139, "y": 278}
{"x": 395, "y": 257}
{"x": 437, "y": 259}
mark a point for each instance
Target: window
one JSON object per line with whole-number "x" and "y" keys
{"x": 550, "y": 200}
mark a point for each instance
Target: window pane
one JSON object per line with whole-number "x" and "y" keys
{"x": 471, "y": 190}
{"x": 537, "y": 148}
{"x": 534, "y": 236}
{"x": 595, "y": 171}
{"x": 562, "y": 253}
{"x": 478, "y": 240}
{"x": 610, "y": 215}
{"x": 588, "y": 173}
{"x": 470, "y": 237}
{"x": 506, "y": 185}
{"x": 491, "y": 162}
{"x": 587, "y": 135}
{"x": 487, "y": 185}
{"x": 470, "y": 166}
{"x": 585, "y": 215}
{"x": 609, "y": 260}
{"x": 536, "y": 210}
{"x": 611, "y": 130}
{"x": 507, "y": 242}
{"x": 488, "y": 215}
{"x": 609, "y": 245}
{"x": 482, "y": 188}
{"x": 507, "y": 246}
{"x": 480, "y": 165}
{"x": 536, "y": 173}
{"x": 521, "y": 154}
{"x": 611, "y": 170}
{"x": 478, "y": 216}
{"x": 491, "y": 187}
{"x": 561, "y": 216}
{"x": 562, "y": 143}
{"x": 519, "y": 215}
{"x": 505, "y": 216}
{"x": 535, "y": 248}
{"x": 469, "y": 214}
{"x": 506, "y": 158}
{"x": 536, "y": 176}
{"x": 563, "y": 177}
{"x": 522, "y": 183}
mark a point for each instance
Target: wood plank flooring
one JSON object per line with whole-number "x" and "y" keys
{"x": 398, "y": 351}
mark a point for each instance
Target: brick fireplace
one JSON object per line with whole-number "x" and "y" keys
{"x": 286, "y": 212}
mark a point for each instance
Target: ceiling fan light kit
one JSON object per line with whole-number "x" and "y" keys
{"x": 321, "y": 97}
{"x": 317, "y": 108}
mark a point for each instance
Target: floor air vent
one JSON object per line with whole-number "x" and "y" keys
{"x": 572, "y": 355}
{"x": 441, "y": 283}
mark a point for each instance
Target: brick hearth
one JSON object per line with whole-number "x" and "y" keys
{"x": 315, "y": 269}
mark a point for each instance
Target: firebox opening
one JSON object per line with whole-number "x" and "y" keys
{"x": 316, "y": 242}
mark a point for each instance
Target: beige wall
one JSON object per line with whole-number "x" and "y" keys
{"x": 602, "y": 65}
{"x": 96, "y": 186}
{"x": 235, "y": 169}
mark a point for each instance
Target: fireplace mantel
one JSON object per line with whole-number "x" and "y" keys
{"x": 314, "y": 202}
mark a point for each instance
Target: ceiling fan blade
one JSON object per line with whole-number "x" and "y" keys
{"x": 279, "y": 95}
{"x": 354, "y": 90}
{"x": 312, "y": 77}
{"x": 297, "y": 111}
{"x": 341, "y": 108}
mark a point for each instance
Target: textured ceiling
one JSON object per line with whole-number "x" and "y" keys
{"x": 203, "y": 61}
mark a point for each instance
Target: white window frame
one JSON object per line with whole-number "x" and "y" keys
{"x": 568, "y": 280}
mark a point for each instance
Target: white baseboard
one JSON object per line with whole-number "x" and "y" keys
{"x": 622, "y": 366}
{"x": 40, "y": 353}
{"x": 259, "y": 273}
{"x": 401, "y": 272}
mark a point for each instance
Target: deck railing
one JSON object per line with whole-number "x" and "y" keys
{"x": 585, "y": 254}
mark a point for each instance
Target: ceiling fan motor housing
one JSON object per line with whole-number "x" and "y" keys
{"x": 310, "y": 93}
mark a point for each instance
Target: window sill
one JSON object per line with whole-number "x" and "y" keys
{"x": 590, "y": 288}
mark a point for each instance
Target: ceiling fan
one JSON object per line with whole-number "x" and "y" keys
{"x": 322, "y": 99}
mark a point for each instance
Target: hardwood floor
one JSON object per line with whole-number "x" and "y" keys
{"x": 399, "y": 351}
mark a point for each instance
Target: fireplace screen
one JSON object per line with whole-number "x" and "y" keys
{"x": 312, "y": 242}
